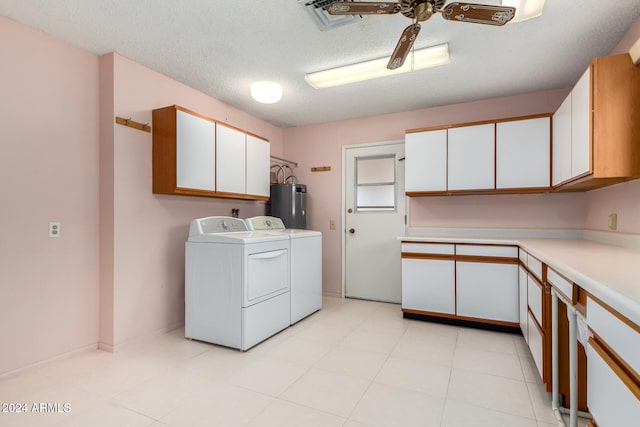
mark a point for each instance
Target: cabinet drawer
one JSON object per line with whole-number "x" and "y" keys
{"x": 535, "y": 341}
{"x": 560, "y": 283}
{"x": 489, "y": 251}
{"x": 428, "y": 248}
{"x": 535, "y": 266}
{"x": 523, "y": 256}
{"x": 622, "y": 338}
{"x": 612, "y": 399}
{"x": 534, "y": 297}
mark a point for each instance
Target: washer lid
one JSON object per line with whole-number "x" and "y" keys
{"x": 296, "y": 233}
{"x": 238, "y": 237}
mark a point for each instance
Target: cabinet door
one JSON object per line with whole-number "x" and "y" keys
{"x": 487, "y": 291}
{"x": 523, "y": 153}
{"x": 536, "y": 344}
{"x": 522, "y": 290}
{"x": 230, "y": 160}
{"x": 561, "y": 170}
{"x": 426, "y": 161}
{"x": 195, "y": 152}
{"x": 471, "y": 157}
{"x": 428, "y": 285}
{"x": 258, "y": 151}
{"x": 611, "y": 399}
{"x": 580, "y": 126}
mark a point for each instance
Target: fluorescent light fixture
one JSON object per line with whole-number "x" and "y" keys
{"x": 418, "y": 60}
{"x": 266, "y": 92}
{"x": 525, "y": 9}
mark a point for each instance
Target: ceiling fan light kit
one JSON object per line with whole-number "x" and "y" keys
{"x": 429, "y": 57}
{"x": 266, "y": 92}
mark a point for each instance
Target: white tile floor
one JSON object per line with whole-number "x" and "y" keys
{"x": 353, "y": 364}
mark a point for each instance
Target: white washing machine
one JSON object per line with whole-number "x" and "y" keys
{"x": 305, "y": 261}
{"x": 236, "y": 283}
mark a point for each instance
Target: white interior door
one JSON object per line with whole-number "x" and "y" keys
{"x": 374, "y": 201}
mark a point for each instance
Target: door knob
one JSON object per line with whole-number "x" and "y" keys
{"x": 352, "y": 230}
{"x": 349, "y": 210}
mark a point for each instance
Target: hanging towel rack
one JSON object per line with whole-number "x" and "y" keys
{"x": 133, "y": 124}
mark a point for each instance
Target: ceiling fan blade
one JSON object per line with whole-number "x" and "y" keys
{"x": 403, "y": 47}
{"x": 363, "y": 8}
{"x": 478, "y": 13}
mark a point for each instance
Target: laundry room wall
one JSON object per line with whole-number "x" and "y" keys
{"x": 143, "y": 234}
{"x": 321, "y": 145}
{"x": 116, "y": 273}
{"x": 49, "y": 166}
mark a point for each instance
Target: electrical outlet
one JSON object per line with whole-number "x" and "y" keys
{"x": 235, "y": 212}
{"x": 613, "y": 221}
{"x": 54, "y": 229}
{"x": 332, "y": 224}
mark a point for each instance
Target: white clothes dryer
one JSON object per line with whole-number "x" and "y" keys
{"x": 305, "y": 263}
{"x": 236, "y": 283}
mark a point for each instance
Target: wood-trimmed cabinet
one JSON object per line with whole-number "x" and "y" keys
{"x": 463, "y": 282}
{"x": 535, "y": 316}
{"x": 501, "y": 156}
{"x": 613, "y": 366}
{"x": 195, "y": 155}
{"x": 596, "y": 130}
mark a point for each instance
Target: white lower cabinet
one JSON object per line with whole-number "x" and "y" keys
{"x": 611, "y": 401}
{"x": 523, "y": 304}
{"x": 536, "y": 343}
{"x": 428, "y": 285}
{"x": 469, "y": 282}
{"x": 487, "y": 291}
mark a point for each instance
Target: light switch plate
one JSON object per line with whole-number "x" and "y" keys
{"x": 613, "y": 221}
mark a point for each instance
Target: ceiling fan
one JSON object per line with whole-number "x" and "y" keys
{"x": 419, "y": 11}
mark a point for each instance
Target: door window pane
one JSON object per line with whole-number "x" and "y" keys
{"x": 375, "y": 170}
{"x": 375, "y": 184}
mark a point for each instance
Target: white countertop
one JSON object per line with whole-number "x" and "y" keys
{"x": 611, "y": 273}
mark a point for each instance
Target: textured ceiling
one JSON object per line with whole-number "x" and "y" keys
{"x": 220, "y": 47}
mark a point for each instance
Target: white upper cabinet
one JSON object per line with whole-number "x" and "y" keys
{"x": 426, "y": 161}
{"x": 561, "y": 170}
{"x": 580, "y": 126}
{"x": 230, "y": 160}
{"x": 195, "y": 152}
{"x": 471, "y": 157}
{"x": 523, "y": 153}
{"x": 257, "y": 166}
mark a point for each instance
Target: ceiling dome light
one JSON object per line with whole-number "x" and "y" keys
{"x": 266, "y": 92}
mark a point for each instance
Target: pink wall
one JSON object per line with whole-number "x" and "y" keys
{"x": 49, "y": 166}
{"x": 148, "y": 231}
{"x": 623, "y": 199}
{"x": 117, "y": 271}
{"x": 549, "y": 211}
{"x": 321, "y": 145}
